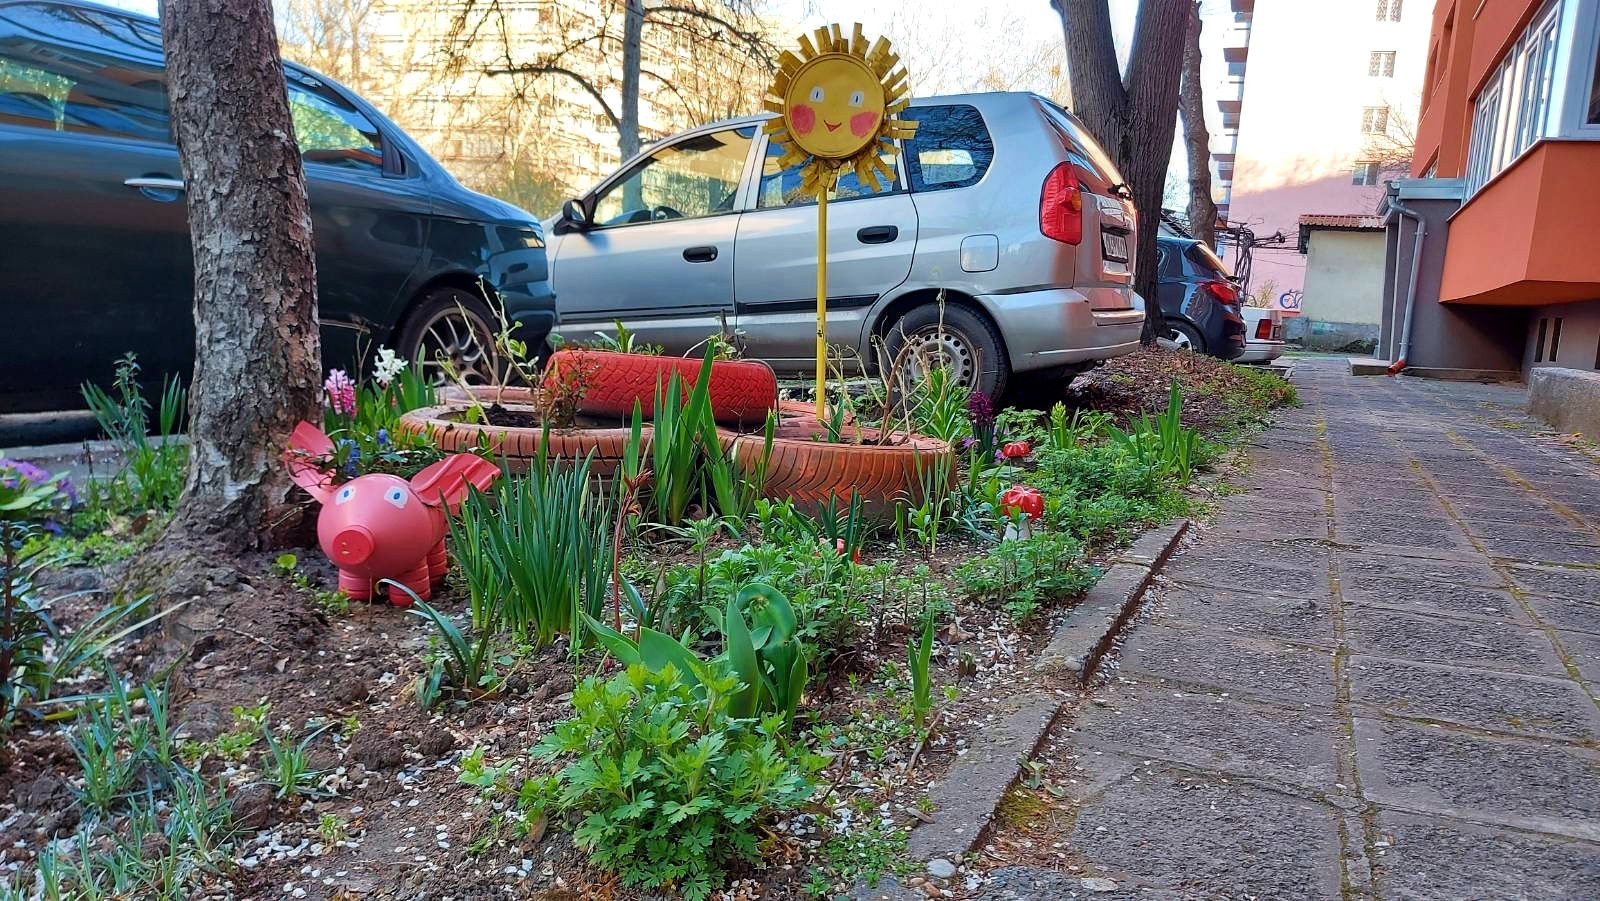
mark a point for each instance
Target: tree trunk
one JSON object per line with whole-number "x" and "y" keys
{"x": 257, "y": 352}
{"x": 1133, "y": 115}
{"x": 1191, "y": 102}
{"x": 632, "y": 51}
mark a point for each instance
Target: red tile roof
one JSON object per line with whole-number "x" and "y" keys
{"x": 1346, "y": 221}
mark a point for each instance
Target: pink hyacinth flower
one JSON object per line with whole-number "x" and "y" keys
{"x": 341, "y": 393}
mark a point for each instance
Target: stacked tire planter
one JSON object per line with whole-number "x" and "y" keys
{"x": 805, "y": 466}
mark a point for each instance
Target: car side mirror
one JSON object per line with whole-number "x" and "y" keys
{"x": 573, "y": 217}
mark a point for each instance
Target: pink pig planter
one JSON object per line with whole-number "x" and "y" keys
{"x": 381, "y": 526}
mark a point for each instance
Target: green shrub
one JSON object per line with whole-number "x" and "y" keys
{"x": 1026, "y": 574}
{"x": 153, "y": 470}
{"x": 668, "y": 787}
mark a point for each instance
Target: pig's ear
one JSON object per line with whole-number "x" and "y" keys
{"x": 446, "y": 481}
{"x": 307, "y": 444}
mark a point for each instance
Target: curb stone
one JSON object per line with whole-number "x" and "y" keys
{"x": 966, "y": 798}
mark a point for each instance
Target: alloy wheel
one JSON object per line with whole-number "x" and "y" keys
{"x": 455, "y": 340}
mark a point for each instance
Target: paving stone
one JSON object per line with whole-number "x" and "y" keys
{"x": 1308, "y": 620}
{"x": 1531, "y": 705}
{"x": 1215, "y": 731}
{"x": 1572, "y": 614}
{"x": 1534, "y": 515}
{"x": 1204, "y": 838}
{"x": 1513, "y": 782}
{"x": 1432, "y": 596}
{"x": 1583, "y": 649}
{"x": 1555, "y": 531}
{"x": 1446, "y": 536}
{"x": 1429, "y": 859}
{"x": 1301, "y": 556}
{"x": 1249, "y": 575}
{"x": 1355, "y": 565}
{"x": 1438, "y": 639}
{"x": 1583, "y": 584}
{"x": 1260, "y": 668}
{"x": 1543, "y": 551}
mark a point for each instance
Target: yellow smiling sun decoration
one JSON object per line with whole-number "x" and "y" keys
{"x": 836, "y": 105}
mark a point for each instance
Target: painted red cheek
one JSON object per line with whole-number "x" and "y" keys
{"x": 803, "y": 118}
{"x": 861, "y": 124}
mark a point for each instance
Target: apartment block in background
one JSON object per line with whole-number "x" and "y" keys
{"x": 1492, "y": 263}
{"x": 1317, "y": 108}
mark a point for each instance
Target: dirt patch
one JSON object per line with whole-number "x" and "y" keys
{"x": 1216, "y": 395}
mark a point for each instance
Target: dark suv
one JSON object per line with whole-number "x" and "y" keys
{"x": 95, "y": 257}
{"x": 1198, "y": 299}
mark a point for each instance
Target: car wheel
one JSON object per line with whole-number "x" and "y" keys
{"x": 955, "y": 338}
{"x": 1187, "y": 337}
{"x": 456, "y": 327}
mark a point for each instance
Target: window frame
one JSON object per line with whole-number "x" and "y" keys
{"x": 390, "y": 158}
{"x": 1519, "y": 104}
{"x": 1381, "y": 63}
{"x": 1374, "y": 120}
{"x": 741, "y": 197}
{"x": 758, "y": 165}
{"x": 912, "y": 172}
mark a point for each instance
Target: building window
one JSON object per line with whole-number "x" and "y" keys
{"x": 1365, "y": 173}
{"x": 1388, "y": 10}
{"x": 1538, "y": 342}
{"x": 1555, "y": 339}
{"x": 1375, "y": 120}
{"x": 1594, "y": 93}
{"x": 1509, "y": 113}
{"x": 1381, "y": 64}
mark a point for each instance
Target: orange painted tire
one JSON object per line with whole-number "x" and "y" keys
{"x": 806, "y": 468}
{"x": 487, "y": 394}
{"x": 743, "y": 392}
{"x": 516, "y": 447}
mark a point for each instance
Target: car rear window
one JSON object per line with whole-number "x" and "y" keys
{"x": 1207, "y": 260}
{"x": 1087, "y": 152}
{"x": 952, "y": 149}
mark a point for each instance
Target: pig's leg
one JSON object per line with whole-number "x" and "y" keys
{"x": 438, "y": 563}
{"x": 416, "y": 579}
{"x": 356, "y": 588}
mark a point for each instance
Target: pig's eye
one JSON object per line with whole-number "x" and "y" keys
{"x": 396, "y": 496}
{"x": 345, "y": 494}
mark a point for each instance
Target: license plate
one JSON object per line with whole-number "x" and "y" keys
{"x": 1114, "y": 247}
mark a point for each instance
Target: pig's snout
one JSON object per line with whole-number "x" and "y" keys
{"x": 351, "y": 546}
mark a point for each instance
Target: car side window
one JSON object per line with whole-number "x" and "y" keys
{"x": 72, "y": 69}
{"x": 696, "y": 177}
{"x": 780, "y": 187}
{"x": 330, "y": 131}
{"x": 952, "y": 148}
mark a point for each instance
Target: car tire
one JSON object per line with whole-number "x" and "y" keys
{"x": 446, "y": 320}
{"x": 958, "y": 336}
{"x": 1187, "y": 337}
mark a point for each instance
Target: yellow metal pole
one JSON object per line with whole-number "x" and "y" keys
{"x": 822, "y": 296}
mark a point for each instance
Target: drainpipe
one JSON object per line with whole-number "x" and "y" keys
{"x": 1395, "y": 206}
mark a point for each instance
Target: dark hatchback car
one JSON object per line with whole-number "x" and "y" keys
{"x": 95, "y": 259}
{"x": 1198, "y": 299}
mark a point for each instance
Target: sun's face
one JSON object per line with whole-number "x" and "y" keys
{"x": 835, "y": 104}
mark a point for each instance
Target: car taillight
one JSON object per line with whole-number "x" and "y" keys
{"x": 1226, "y": 292}
{"x": 1264, "y": 330}
{"x": 1061, "y": 205}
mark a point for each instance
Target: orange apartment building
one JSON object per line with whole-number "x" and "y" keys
{"x": 1493, "y": 254}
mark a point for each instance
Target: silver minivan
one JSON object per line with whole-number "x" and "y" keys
{"x": 1004, "y": 208}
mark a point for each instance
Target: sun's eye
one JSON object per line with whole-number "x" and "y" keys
{"x": 345, "y": 494}
{"x": 396, "y": 496}
{"x": 858, "y": 98}
{"x": 816, "y": 94}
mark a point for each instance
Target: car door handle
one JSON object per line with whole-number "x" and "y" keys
{"x": 157, "y": 184}
{"x": 705, "y": 253}
{"x": 878, "y": 234}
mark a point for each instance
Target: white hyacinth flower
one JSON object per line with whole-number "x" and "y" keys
{"x": 388, "y": 366}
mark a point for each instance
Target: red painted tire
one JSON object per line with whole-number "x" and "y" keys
{"x": 743, "y": 392}
{"x": 516, "y": 448}
{"x": 806, "y": 468}
{"x": 487, "y": 394}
